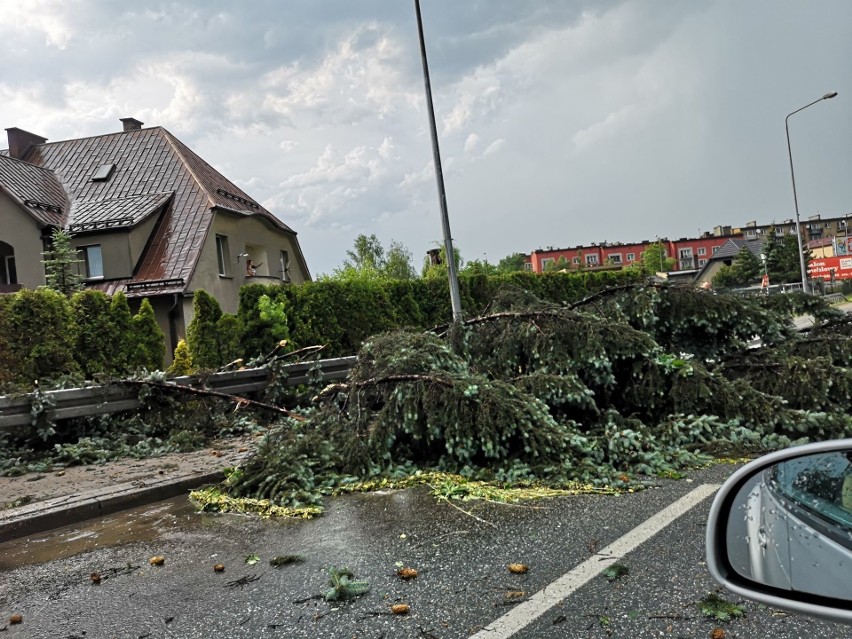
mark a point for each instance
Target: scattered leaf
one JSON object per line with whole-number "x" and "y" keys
{"x": 95, "y": 577}
{"x": 343, "y": 585}
{"x": 615, "y": 571}
{"x": 407, "y": 573}
{"x": 157, "y": 560}
{"x": 219, "y": 568}
{"x": 400, "y": 609}
{"x": 283, "y": 560}
{"x": 252, "y": 559}
{"x": 515, "y": 594}
{"x": 633, "y": 614}
{"x": 402, "y": 535}
{"x": 714, "y": 606}
{"x": 718, "y": 633}
{"x": 16, "y": 618}
{"x": 518, "y": 569}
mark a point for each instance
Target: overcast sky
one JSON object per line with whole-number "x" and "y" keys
{"x": 561, "y": 122}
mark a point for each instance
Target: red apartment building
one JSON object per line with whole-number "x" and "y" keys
{"x": 689, "y": 253}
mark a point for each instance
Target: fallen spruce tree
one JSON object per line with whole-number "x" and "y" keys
{"x": 628, "y": 384}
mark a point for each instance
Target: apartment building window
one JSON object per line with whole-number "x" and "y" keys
{"x": 614, "y": 258}
{"x": 686, "y": 253}
{"x": 284, "y": 262}
{"x": 631, "y": 257}
{"x": 715, "y": 250}
{"x": 223, "y": 255}
{"x": 702, "y": 262}
{"x": 93, "y": 260}
{"x": 527, "y": 266}
{"x": 575, "y": 260}
{"x": 546, "y": 261}
{"x": 592, "y": 259}
{"x": 702, "y": 250}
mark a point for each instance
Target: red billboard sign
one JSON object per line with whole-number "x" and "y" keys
{"x": 828, "y": 268}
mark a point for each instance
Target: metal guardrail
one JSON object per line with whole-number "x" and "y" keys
{"x": 113, "y": 398}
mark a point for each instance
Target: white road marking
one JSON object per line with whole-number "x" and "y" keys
{"x": 525, "y": 613}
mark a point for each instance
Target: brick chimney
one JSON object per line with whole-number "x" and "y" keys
{"x": 20, "y": 142}
{"x": 131, "y": 124}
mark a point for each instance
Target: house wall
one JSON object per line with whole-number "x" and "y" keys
{"x": 244, "y": 235}
{"x": 20, "y": 231}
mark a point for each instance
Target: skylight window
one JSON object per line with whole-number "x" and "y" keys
{"x": 103, "y": 172}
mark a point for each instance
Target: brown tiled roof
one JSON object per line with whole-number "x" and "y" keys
{"x": 34, "y": 189}
{"x": 91, "y": 215}
{"x": 148, "y": 164}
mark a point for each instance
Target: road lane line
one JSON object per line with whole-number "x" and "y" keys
{"x": 525, "y": 613}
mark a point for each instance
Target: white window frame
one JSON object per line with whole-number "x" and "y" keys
{"x": 702, "y": 250}
{"x": 702, "y": 262}
{"x": 547, "y": 261}
{"x": 685, "y": 253}
{"x": 615, "y": 258}
{"x": 631, "y": 257}
{"x": 716, "y": 249}
{"x": 223, "y": 255}
{"x": 591, "y": 258}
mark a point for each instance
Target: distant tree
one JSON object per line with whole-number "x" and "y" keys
{"x": 60, "y": 264}
{"x": 367, "y": 254}
{"x": 558, "y": 265}
{"x": 478, "y": 267}
{"x": 511, "y": 263}
{"x": 148, "y": 339}
{"x": 782, "y": 258}
{"x": 398, "y": 265}
{"x": 201, "y": 334}
{"x": 745, "y": 269}
{"x": 654, "y": 259}
{"x": 368, "y": 260}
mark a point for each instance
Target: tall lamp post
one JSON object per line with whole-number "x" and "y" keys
{"x": 455, "y": 297}
{"x": 802, "y": 266}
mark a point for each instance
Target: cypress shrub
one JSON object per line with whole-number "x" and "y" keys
{"x": 124, "y": 348}
{"x": 228, "y": 330}
{"x": 147, "y": 340}
{"x": 96, "y": 335}
{"x": 181, "y": 362}
{"x": 201, "y": 334}
{"x": 41, "y": 335}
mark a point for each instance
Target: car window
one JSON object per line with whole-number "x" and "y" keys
{"x": 821, "y": 484}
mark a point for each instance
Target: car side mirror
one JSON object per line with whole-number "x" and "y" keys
{"x": 780, "y": 531}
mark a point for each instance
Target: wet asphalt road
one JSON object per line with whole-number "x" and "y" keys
{"x": 463, "y": 583}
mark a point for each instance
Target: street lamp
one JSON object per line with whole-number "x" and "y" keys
{"x": 802, "y": 266}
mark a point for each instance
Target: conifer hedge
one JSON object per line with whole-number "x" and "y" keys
{"x": 342, "y": 314}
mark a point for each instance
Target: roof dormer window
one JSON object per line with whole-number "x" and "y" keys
{"x": 103, "y": 173}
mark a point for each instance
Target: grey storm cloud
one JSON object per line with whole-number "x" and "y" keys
{"x": 561, "y": 122}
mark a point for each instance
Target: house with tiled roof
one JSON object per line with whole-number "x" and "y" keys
{"x": 725, "y": 256}
{"x": 148, "y": 217}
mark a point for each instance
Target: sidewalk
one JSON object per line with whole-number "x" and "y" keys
{"x": 36, "y": 502}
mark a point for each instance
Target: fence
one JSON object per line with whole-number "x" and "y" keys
{"x": 15, "y": 410}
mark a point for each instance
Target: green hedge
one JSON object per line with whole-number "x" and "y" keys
{"x": 342, "y": 314}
